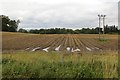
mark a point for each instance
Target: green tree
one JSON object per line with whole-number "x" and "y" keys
{"x": 22, "y": 30}
{"x": 8, "y": 25}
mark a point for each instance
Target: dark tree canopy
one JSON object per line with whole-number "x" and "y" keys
{"x": 22, "y": 30}
{"x": 108, "y": 30}
{"x": 8, "y": 25}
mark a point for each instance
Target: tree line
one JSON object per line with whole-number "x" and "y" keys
{"x": 108, "y": 30}
{"x": 12, "y": 26}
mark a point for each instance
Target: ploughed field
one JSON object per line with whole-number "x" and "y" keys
{"x": 36, "y": 56}
{"x": 58, "y": 42}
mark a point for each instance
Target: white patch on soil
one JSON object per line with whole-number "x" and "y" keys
{"x": 77, "y": 50}
{"x": 27, "y": 49}
{"x": 88, "y": 49}
{"x": 97, "y": 48}
{"x": 46, "y": 49}
{"x": 57, "y": 48}
{"x": 37, "y": 48}
{"x": 68, "y": 48}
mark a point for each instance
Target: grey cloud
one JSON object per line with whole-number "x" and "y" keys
{"x": 72, "y": 14}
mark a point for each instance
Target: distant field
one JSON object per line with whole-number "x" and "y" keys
{"x": 58, "y": 42}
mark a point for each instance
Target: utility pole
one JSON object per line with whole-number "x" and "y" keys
{"x": 101, "y": 17}
{"x": 104, "y": 24}
{"x": 99, "y": 24}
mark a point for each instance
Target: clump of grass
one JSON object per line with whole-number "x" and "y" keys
{"x": 102, "y": 39}
{"x": 49, "y": 65}
{"x": 52, "y": 70}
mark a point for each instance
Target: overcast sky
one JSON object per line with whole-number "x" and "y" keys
{"x": 60, "y": 13}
